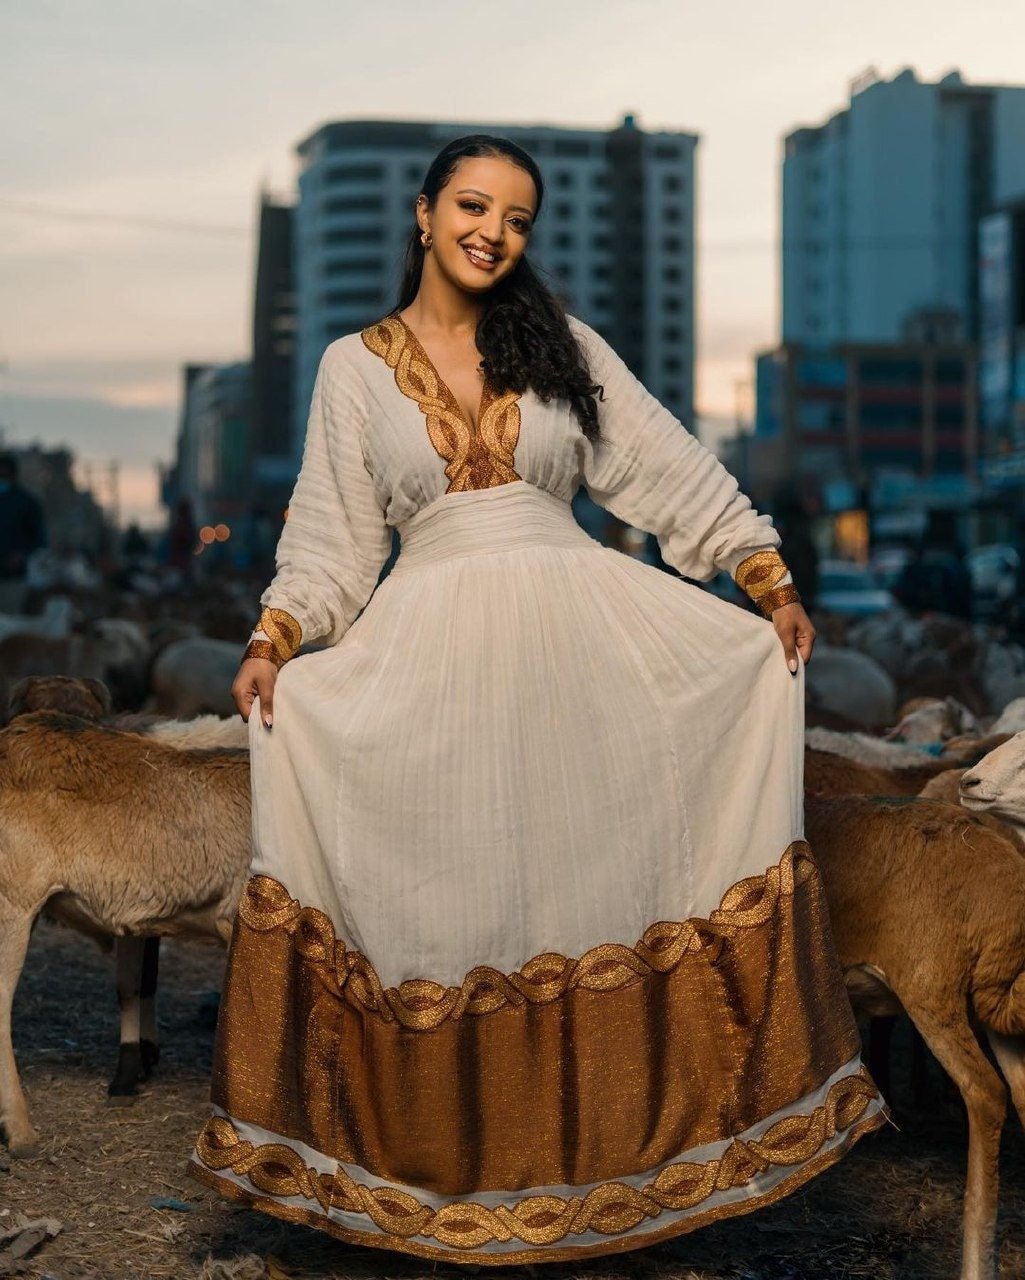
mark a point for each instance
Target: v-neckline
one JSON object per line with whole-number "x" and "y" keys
{"x": 484, "y": 391}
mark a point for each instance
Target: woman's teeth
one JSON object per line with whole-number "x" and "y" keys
{"x": 478, "y": 258}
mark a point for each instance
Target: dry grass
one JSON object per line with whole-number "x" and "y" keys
{"x": 889, "y": 1211}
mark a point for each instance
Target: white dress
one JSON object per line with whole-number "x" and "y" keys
{"x": 534, "y": 962}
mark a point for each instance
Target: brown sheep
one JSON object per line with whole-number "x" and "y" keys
{"x": 927, "y": 905}
{"x": 115, "y": 834}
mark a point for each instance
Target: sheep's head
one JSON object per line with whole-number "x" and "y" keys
{"x": 927, "y": 720}
{"x": 997, "y": 782}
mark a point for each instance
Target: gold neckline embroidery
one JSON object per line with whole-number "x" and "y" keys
{"x": 443, "y": 387}
{"x": 477, "y": 458}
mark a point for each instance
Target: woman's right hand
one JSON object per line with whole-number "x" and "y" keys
{"x": 256, "y": 677}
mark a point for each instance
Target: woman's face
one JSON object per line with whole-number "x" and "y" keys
{"x": 481, "y": 221}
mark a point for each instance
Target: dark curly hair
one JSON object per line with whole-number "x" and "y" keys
{"x": 523, "y": 333}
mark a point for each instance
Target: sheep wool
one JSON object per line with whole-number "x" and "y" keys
{"x": 533, "y": 962}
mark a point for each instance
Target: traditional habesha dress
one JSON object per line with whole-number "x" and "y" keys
{"x": 534, "y": 962}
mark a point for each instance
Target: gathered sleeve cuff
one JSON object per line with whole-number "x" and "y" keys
{"x": 335, "y": 539}
{"x": 652, "y": 473}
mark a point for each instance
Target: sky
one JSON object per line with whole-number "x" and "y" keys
{"x": 138, "y": 134}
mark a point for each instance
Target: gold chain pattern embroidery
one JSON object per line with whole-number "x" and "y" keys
{"x": 476, "y": 459}
{"x": 610, "y": 1208}
{"x": 420, "y": 1004}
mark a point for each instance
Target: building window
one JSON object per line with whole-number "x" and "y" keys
{"x": 354, "y": 173}
{"x": 672, "y": 244}
{"x": 571, "y": 147}
{"x": 671, "y": 213}
{"x": 672, "y": 333}
{"x": 672, "y": 274}
{"x": 564, "y": 178}
{"x": 671, "y": 182}
{"x": 563, "y": 240}
{"x": 563, "y": 209}
{"x": 599, "y": 178}
{"x": 667, "y": 151}
{"x": 671, "y": 303}
{"x": 601, "y": 241}
{"x": 353, "y": 204}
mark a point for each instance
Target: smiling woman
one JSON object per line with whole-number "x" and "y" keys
{"x": 534, "y": 962}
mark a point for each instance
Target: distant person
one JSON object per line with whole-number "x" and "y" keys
{"x": 793, "y": 521}
{"x": 22, "y": 529}
{"x": 935, "y": 580}
{"x": 181, "y": 538}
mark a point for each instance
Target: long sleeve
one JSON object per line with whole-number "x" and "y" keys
{"x": 335, "y": 540}
{"x": 651, "y": 472}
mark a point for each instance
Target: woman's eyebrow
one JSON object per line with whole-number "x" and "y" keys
{"x": 473, "y": 191}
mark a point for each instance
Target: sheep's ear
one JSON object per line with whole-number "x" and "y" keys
{"x": 101, "y": 691}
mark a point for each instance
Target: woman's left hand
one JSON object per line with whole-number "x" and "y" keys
{"x": 796, "y": 634}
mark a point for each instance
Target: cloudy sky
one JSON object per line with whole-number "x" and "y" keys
{"x": 138, "y": 132}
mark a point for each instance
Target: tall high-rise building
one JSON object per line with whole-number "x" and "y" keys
{"x": 272, "y": 444}
{"x": 882, "y": 203}
{"x": 615, "y": 237}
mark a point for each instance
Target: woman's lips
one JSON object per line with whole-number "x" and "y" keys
{"x": 479, "y": 262}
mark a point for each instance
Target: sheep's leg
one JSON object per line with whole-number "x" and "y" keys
{"x": 15, "y": 928}
{"x": 959, "y": 1053}
{"x": 1010, "y": 1056}
{"x": 149, "y": 1040}
{"x": 136, "y": 960}
{"x": 880, "y": 1048}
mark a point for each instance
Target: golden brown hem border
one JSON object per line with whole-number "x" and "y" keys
{"x": 705, "y": 1217}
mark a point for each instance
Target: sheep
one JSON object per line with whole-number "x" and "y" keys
{"x": 928, "y": 720}
{"x": 194, "y": 676}
{"x": 927, "y": 905}
{"x": 850, "y": 684}
{"x": 136, "y": 959}
{"x": 996, "y": 784}
{"x": 165, "y": 849}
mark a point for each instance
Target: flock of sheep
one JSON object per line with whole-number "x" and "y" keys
{"x": 133, "y": 825}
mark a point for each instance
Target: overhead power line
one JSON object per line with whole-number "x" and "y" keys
{"x": 34, "y": 209}
{"x": 740, "y": 244}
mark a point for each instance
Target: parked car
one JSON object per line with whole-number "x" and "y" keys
{"x": 851, "y": 589}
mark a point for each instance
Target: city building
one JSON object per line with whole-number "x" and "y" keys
{"x": 213, "y": 462}
{"x": 273, "y": 459}
{"x": 615, "y": 237}
{"x": 882, "y": 205}
{"x": 887, "y": 427}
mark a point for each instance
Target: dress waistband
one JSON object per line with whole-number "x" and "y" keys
{"x": 476, "y": 521}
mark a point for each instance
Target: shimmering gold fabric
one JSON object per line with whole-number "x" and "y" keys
{"x": 477, "y": 458}
{"x": 571, "y": 1070}
{"x": 283, "y": 631}
{"x": 777, "y": 597}
{"x": 543, "y": 1220}
{"x": 263, "y": 649}
{"x": 760, "y": 572}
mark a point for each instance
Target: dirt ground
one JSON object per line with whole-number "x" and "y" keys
{"x": 889, "y": 1211}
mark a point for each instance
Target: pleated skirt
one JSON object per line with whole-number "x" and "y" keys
{"x": 534, "y": 962}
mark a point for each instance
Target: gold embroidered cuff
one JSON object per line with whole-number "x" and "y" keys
{"x": 760, "y": 572}
{"x": 283, "y": 632}
{"x": 777, "y": 597}
{"x": 262, "y": 649}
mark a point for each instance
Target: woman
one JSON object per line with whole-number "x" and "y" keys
{"x": 534, "y": 961}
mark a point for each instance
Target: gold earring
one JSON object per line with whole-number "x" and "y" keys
{"x": 426, "y": 239}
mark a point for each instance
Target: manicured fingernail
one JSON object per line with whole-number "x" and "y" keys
{"x": 792, "y": 664}
{"x": 268, "y": 721}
